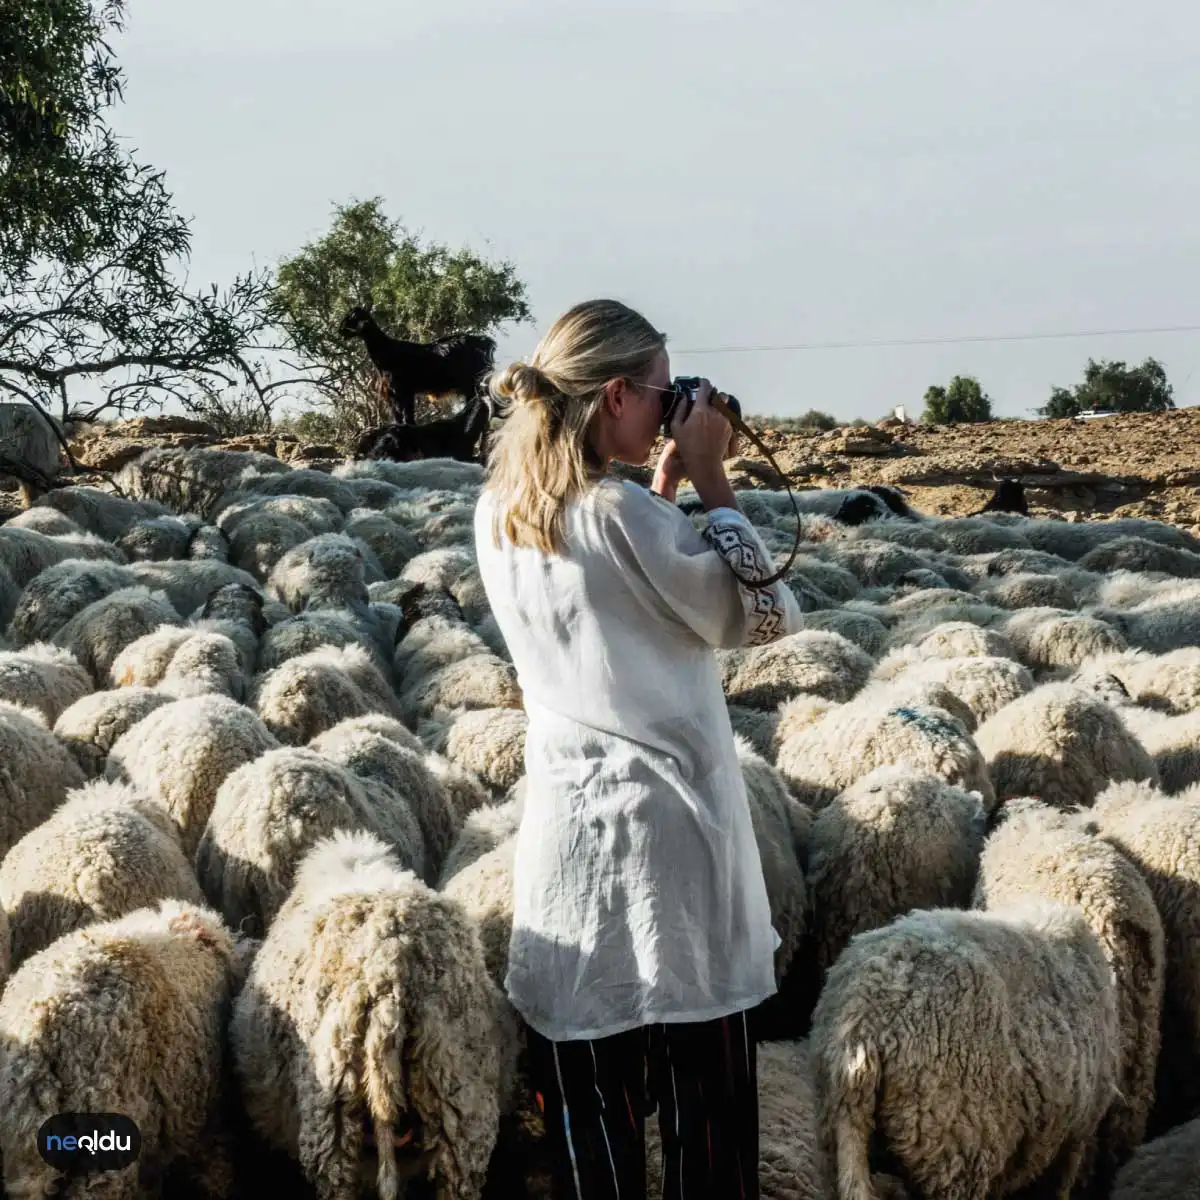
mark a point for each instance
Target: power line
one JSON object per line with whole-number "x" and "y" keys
{"x": 940, "y": 341}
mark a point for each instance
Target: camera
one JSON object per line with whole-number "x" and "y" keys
{"x": 683, "y": 390}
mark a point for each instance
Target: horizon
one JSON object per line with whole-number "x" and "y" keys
{"x": 745, "y": 176}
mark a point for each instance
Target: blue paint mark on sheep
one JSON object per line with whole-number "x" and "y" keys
{"x": 938, "y": 728}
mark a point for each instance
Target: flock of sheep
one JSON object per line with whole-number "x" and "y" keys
{"x": 261, "y": 758}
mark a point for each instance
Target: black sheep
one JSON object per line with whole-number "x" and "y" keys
{"x": 453, "y": 365}
{"x": 894, "y": 499}
{"x": 450, "y": 437}
{"x": 1009, "y": 497}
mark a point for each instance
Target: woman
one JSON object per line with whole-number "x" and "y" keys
{"x": 641, "y": 931}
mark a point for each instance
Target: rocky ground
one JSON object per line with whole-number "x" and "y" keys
{"x": 1145, "y": 465}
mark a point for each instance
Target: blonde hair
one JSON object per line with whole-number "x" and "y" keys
{"x": 540, "y": 460}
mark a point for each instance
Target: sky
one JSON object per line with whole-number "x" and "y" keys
{"x": 745, "y": 174}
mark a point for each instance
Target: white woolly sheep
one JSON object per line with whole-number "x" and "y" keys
{"x": 104, "y": 514}
{"x": 480, "y": 681}
{"x": 181, "y": 661}
{"x": 379, "y": 750}
{"x": 101, "y": 854}
{"x": 1165, "y": 620}
{"x": 156, "y": 538}
{"x": 757, "y": 727}
{"x": 374, "y": 494}
{"x": 776, "y": 823}
{"x": 1046, "y": 638}
{"x": 189, "y": 583}
{"x": 25, "y": 553}
{"x": 315, "y": 514}
{"x": 391, "y": 542}
{"x": 53, "y": 597}
{"x": 792, "y": 1159}
{"x": 181, "y": 753}
{"x": 483, "y": 831}
{"x": 866, "y": 632}
{"x": 896, "y": 840}
{"x": 1141, "y": 554}
{"x": 432, "y": 642}
{"x": 208, "y": 544}
{"x": 313, "y": 692}
{"x": 1165, "y": 1169}
{"x": 44, "y": 520}
{"x": 1073, "y": 541}
{"x": 1014, "y": 561}
{"x": 323, "y": 572}
{"x": 821, "y": 664}
{"x": 822, "y": 752}
{"x": 1062, "y": 745}
{"x": 1038, "y": 851}
{"x": 195, "y": 479}
{"x": 828, "y": 578}
{"x": 1168, "y": 682}
{"x": 267, "y": 815}
{"x": 420, "y": 1052}
{"x": 434, "y": 474}
{"x": 952, "y": 639}
{"x": 873, "y": 563}
{"x": 914, "y": 689}
{"x": 452, "y": 569}
{"x": 93, "y": 723}
{"x": 232, "y": 605}
{"x": 262, "y": 539}
{"x": 1173, "y": 742}
{"x": 36, "y": 772}
{"x": 982, "y": 684}
{"x": 123, "y": 1017}
{"x": 483, "y": 889}
{"x": 914, "y": 625}
{"x": 996, "y": 1033}
{"x": 1161, "y": 836}
{"x": 307, "y": 631}
{"x": 302, "y": 481}
{"x": 44, "y": 677}
{"x": 1031, "y": 591}
{"x": 487, "y": 741}
{"x": 98, "y": 633}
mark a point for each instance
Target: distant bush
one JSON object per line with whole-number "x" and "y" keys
{"x": 807, "y": 423}
{"x": 1116, "y": 387}
{"x": 961, "y": 402}
{"x": 231, "y": 413}
{"x": 314, "y": 427}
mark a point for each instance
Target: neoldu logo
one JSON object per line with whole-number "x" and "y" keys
{"x": 86, "y": 1142}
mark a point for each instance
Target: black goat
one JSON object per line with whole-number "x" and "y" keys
{"x": 453, "y": 365}
{"x": 1009, "y": 497}
{"x": 450, "y": 437}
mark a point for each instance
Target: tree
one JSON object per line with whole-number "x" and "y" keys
{"x": 1114, "y": 386}
{"x": 93, "y": 316}
{"x": 415, "y": 292}
{"x": 962, "y": 401}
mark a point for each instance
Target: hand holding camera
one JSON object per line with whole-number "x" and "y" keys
{"x": 700, "y": 437}
{"x": 700, "y": 431}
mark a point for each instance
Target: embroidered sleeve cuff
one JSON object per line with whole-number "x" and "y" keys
{"x": 738, "y": 543}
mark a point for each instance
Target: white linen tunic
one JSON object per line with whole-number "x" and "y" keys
{"x": 639, "y": 894}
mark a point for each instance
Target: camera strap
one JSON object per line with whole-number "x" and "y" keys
{"x": 741, "y": 427}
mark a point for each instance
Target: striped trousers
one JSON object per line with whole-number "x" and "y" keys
{"x": 595, "y": 1096}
